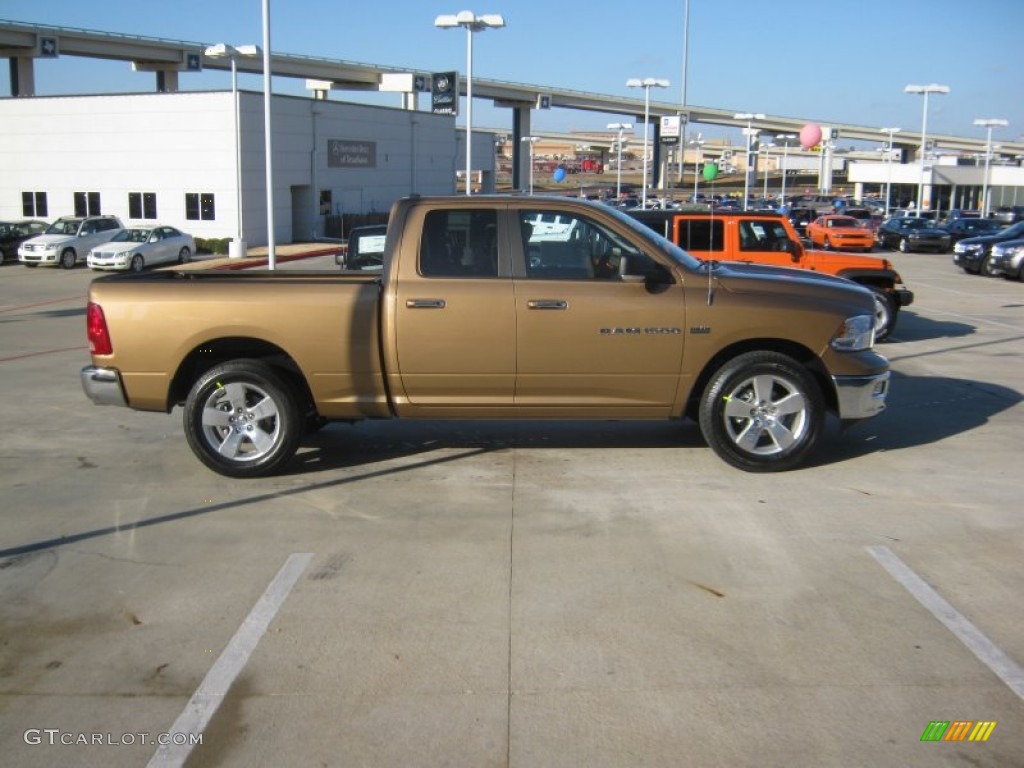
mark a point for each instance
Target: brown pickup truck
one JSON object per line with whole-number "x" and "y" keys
{"x": 769, "y": 238}
{"x": 491, "y": 307}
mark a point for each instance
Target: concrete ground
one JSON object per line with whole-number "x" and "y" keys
{"x": 517, "y": 594}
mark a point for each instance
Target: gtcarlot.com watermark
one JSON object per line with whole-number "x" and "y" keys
{"x": 57, "y": 737}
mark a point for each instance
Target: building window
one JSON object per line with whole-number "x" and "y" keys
{"x": 199, "y": 205}
{"x": 142, "y": 205}
{"x": 33, "y": 204}
{"x": 87, "y": 204}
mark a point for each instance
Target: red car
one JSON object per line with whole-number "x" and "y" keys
{"x": 839, "y": 232}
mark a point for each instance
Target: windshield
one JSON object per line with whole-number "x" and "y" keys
{"x": 842, "y": 221}
{"x": 673, "y": 251}
{"x": 1017, "y": 230}
{"x": 131, "y": 236}
{"x": 64, "y": 227}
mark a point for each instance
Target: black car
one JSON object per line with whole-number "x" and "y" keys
{"x": 365, "y": 249}
{"x": 960, "y": 228}
{"x": 14, "y": 233}
{"x": 912, "y": 233}
{"x": 800, "y": 217}
{"x": 973, "y": 254}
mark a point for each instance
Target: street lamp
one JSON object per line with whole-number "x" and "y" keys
{"x": 888, "y": 183}
{"x": 988, "y": 123}
{"x": 220, "y": 51}
{"x": 750, "y": 132}
{"x": 647, "y": 83}
{"x": 697, "y": 143}
{"x": 621, "y": 128}
{"x": 785, "y": 138}
{"x": 533, "y": 140}
{"x": 472, "y": 23}
{"x": 924, "y": 90}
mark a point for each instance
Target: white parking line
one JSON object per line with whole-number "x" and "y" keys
{"x": 1009, "y": 671}
{"x": 208, "y": 697}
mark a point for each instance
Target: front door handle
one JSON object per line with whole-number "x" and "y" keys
{"x": 547, "y": 304}
{"x": 425, "y": 303}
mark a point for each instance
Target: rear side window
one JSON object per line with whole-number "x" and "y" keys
{"x": 460, "y": 243}
{"x": 701, "y": 234}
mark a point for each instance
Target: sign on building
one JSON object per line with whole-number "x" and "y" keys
{"x": 342, "y": 153}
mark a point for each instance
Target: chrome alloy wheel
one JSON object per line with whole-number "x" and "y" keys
{"x": 765, "y": 414}
{"x": 241, "y": 421}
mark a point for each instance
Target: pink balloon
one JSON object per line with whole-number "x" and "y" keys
{"x": 810, "y": 135}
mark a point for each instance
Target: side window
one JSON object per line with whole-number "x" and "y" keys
{"x": 758, "y": 235}
{"x": 568, "y": 247}
{"x": 460, "y": 243}
{"x": 701, "y": 235}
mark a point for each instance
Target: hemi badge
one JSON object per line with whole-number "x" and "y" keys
{"x": 700, "y": 329}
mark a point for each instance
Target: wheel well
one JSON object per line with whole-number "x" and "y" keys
{"x": 798, "y": 352}
{"x": 217, "y": 351}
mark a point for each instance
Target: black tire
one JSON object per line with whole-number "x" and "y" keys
{"x": 68, "y": 258}
{"x": 886, "y": 312}
{"x": 986, "y": 267}
{"x": 903, "y": 246}
{"x": 137, "y": 263}
{"x": 242, "y": 419}
{"x": 740, "y": 413}
{"x": 828, "y": 244}
{"x": 184, "y": 255}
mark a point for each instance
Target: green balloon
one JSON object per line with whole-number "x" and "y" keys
{"x": 710, "y": 171}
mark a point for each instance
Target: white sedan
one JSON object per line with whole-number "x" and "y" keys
{"x": 138, "y": 247}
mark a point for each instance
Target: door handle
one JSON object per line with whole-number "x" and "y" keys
{"x": 547, "y": 304}
{"x": 425, "y": 303}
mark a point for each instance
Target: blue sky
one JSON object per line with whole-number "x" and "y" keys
{"x": 825, "y": 61}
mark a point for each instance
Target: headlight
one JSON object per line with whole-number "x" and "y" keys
{"x": 855, "y": 333}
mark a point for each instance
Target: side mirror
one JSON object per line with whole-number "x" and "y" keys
{"x": 796, "y": 251}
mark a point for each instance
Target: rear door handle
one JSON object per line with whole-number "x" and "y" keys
{"x": 425, "y": 303}
{"x": 547, "y": 304}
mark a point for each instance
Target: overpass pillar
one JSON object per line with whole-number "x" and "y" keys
{"x": 520, "y": 154}
{"x": 23, "y": 76}
{"x": 167, "y": 80}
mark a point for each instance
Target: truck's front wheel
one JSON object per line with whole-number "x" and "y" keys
{"x": 762, "y": 412}
{"x": 886, "y": 311}
{"x": 242, "y": 419}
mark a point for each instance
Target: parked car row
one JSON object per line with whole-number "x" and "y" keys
{"x": 102, "y": 242}
{"x": 980, "y": 246}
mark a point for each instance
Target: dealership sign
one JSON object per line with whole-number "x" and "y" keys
{"x": 351, "y": 154}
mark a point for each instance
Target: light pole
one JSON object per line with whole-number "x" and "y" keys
{"x": 698, "y": 143}
{"x": 533, "y": 140}
{"x": 750, "y": 132}
{"x": 621, "y": 128}
{"x": 646, "y": 83}
{"x": 924, "y": 90}
{"x": 220, "y": 51}
{"x": 785, "y": 138}
{"x": 988, "y": 123}
{"x": 472, "y": 23}
{"x": 888, "y": 183}
{"x": 766, "y": 147}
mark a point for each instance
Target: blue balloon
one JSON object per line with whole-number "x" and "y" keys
{"x": 559, "y": 174}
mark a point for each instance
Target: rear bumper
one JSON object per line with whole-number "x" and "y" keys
{"x": 103, "y": 385}
{"x": 861, "y": 397}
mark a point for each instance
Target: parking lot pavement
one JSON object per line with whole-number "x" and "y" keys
{"x": 521, "y": 594}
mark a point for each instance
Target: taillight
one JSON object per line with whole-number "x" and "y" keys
{"x": 96, "y": 329}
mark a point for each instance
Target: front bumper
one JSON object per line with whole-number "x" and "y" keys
{"x": 904, "y": 296}
{"x": 37, "y": 257}
{"x": 969, "y": 259}
{"x": 861, "y": 397}
{"x": 103, "y": 385}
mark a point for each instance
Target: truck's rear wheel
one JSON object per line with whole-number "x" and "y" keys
{"x": 242, "y": 420}
{"x": 762, "y": 412}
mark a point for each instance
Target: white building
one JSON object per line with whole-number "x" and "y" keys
{"x": 170, "y": 158}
